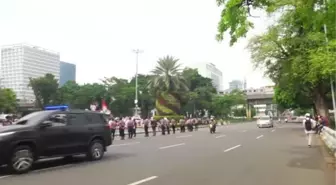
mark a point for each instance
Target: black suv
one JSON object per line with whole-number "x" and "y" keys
{"x": 53, "y": 133}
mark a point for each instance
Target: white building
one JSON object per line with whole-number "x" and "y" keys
{"x": 236, "y": 84}
{"x": 20, "y": 62}
{"x": 209, "y": 70}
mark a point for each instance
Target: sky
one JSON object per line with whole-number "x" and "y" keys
{"x": 99, "y": 35}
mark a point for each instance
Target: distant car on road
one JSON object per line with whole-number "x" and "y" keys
{"x": 53, "y": 133}
{"x": 265, "y": 122}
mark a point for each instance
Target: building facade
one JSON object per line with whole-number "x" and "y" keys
{"x": 67, "y": 73}
{"x": 209, "y": 70}
{"x": 20, "y": 62}
{"x": 236, "y": 84}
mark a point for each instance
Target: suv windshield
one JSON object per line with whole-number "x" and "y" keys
{"x": 24, "y": 119}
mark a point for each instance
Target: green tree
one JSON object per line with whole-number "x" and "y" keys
{"x": 67, "y": 94}
{"x": 293, "y": 50}
{"x": 7, "y": 101}
{"x": 168, "y": 84}
{"x": 224, "y": 105}
{"x": 200, "y": 93}
{"x": 90, "y": 93}
{"x": 45, "y": 89}
{"x": 121, "y": 95}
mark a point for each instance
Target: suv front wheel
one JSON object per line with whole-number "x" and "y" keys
{"x": 96, "y": 150}
{"x": 22, "y": 160}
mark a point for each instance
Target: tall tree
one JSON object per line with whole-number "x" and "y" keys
{"x": 200, "y": 93}
{"x": 45, "y": 89}
{"x": 168, "y": 84}
{"x": 293, "y": 50}
{"x": 68, "y": 93}
{"x": 7, "y": 101}
{"x": 121, "y": 94}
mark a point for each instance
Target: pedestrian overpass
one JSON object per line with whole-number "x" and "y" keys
{"x": 261, "y": 96}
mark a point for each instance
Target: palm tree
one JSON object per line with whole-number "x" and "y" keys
{"x": 168, "y": 83}
{"x": 167, "y": 76}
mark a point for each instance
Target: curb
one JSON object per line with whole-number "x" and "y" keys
{"x": 329, "y": 160}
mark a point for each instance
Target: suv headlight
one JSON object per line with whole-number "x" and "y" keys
{"x": 4, "y": 134}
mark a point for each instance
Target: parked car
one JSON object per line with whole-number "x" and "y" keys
{"x": 53, "y": 133}
{"x": 265, "y": 121}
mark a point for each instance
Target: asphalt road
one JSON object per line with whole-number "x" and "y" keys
{"x": 239, "y": 154}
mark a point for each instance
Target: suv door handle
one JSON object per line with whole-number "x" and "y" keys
{"x": 90, "y": 129}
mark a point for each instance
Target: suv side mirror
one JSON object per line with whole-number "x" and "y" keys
{"x": 46, "y": 123}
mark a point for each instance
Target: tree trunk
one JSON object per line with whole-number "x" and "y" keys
{"x": 320, "y": 103}
{"x": 315, "y": 109}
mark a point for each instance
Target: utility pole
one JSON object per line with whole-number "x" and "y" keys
{"x": 137, "y": 52}
{"x": 331, "y": 80}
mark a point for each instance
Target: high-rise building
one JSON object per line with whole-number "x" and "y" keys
{"x": 236, "y": 84}
{"x": 20, "y": 62}
{"x": 209, "y": 70}
{"x": 67, "y": 73}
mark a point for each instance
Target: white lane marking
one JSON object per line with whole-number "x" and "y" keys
{"x": 170, "y": 146}
{"x": 220, "y": 136}
{"x": 229, "y": 149}
{"x": 244, "y": 130}
{"x": 2, "y": 177}
{"x": 183, "y": 136}
{"x": 260, "y": 136}
{"x": 273, "y": 130}
{"x": 143, "y": 180}
{"x": 125, "y": 144}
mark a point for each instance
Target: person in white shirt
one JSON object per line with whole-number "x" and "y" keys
{"x": 309, "y": 125}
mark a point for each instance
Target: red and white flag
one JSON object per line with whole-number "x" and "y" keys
{"x": 105, "y": 108}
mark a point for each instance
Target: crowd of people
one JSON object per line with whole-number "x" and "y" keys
{"x": 8, "y": 120}
{"x": 164, "y": 125}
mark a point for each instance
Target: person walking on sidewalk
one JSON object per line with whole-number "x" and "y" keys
{"x": 113, "y": 125}
{"x": 173, "y": 125}
{"x": 182, "y": 125}
{"x": 309, "y": 124}
{"x": 146, "y": 126}
{"x": 121, "y": 125}
{"x": 167, "y": 126}
{"x": 163, "y": 126}
{"x": 130, "y": 127}
{"x": 153, "y": 125}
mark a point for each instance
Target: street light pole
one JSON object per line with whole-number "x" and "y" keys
{"x": 331, "y": 80}
{"x": 137, "y": 52}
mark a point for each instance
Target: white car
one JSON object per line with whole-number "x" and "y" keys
{"x": 265, "y": 122}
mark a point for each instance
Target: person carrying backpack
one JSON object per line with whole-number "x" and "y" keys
{"x": 309, "y": 125}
